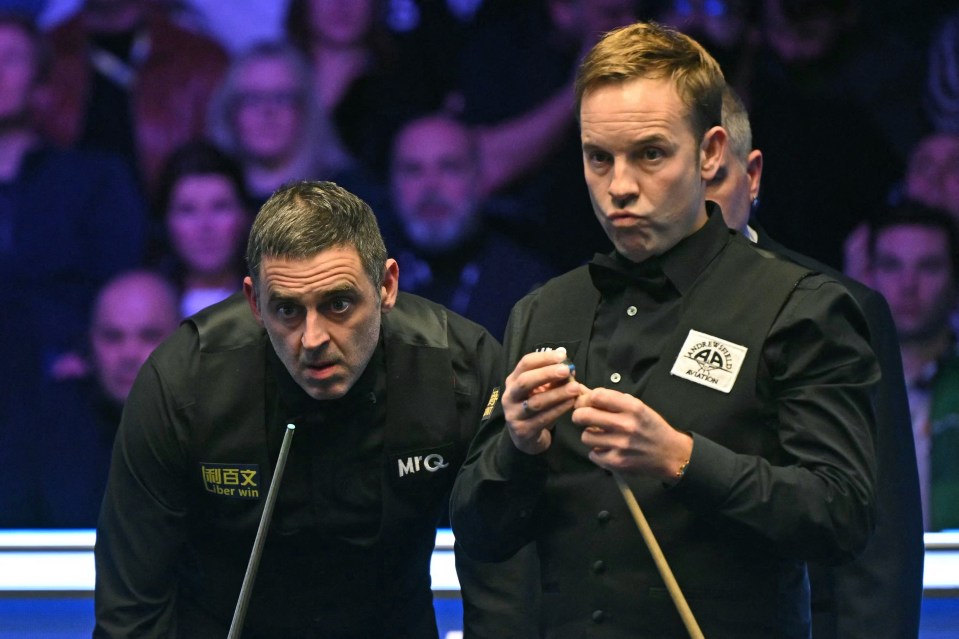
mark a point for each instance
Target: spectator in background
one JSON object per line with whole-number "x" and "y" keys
{"x": 203, "y": 202}
{"x": 796, "y": 102}
{"x": 878, "y": 595}
{"x": 915, "y": 260}
{"x": 265, "y": 114}
{"x": 515, "y": 83}
{"x": 932, "y": 179}
{"x": 362, "y": 83}
{"x": 133, "y": 313}
{"x": 68, "y": 221}
{"x": 835, "y": 50}
{"x": 932, "y": 174}
{"x": 450, "y": 252}
{"x": 128, "y": 80}
{"x": 941, "y": 98}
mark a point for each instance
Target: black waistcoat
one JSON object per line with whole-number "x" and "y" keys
{"x": 309, "y": 587}
{"x": 593, "y": 560}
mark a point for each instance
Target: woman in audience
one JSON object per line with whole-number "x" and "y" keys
{"x": 202, "y": 200}
{"x": 265, "y": 114}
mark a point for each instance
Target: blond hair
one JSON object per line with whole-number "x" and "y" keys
{"x": 650, "y": 50}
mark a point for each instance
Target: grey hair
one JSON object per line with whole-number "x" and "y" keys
{"x": 302, "y": 219}
{"x": 736, "y": 123}
{"x": 320, "y": 152}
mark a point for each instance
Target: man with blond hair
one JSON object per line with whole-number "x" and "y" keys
{"x": 727, "y": 388}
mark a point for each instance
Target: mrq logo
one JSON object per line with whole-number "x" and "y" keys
{"x": 429, "y": 463}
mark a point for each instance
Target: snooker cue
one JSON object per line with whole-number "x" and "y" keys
{"x": 671, "y": 585}
{"x": 239, "y": 615}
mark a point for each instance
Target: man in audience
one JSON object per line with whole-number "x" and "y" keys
{"x": 931, "y": 178}
{"x": 133, "y": 313}
{"x": 450, "y": 251}
{"x": 879, "y": 593}
{"x": 915, "y": 260}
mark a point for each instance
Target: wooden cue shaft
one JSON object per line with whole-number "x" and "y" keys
{"x": 671, "y": 584}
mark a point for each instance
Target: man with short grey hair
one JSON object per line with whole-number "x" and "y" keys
{"x": 385, "y": 390}
{"x": 879, "y": 593}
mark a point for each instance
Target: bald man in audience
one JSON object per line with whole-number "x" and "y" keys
{"x": 132, "y": 314}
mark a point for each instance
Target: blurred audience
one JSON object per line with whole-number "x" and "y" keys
{"x": 265, "y": 114}
{"x": 362, "y": 82}
{"x": 68, "y": 221}
{"x": 202, "y": 199}
{"x": 941, "y": 98}
{"x": 236, "y": 26}
{"x": 932, "y": 174}
{"x": 829, "y": 164}
{"x": 132, "y": 314}
{"x": 128, "y": 80}
{"x": 831, "y": 50}
{"x": 447, "y": 249}
{"x": 515, "y": 83}
{"x": 915, "y": 261}
{"x": 931, "y": 178}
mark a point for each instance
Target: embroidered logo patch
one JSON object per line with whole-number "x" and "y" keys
{"x": 709, "y": 361}
{"x": 417, "y": 463}
{"x": 241, "y": 481}
{"x": 491, "y": 403}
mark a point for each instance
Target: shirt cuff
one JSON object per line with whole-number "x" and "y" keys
{"x": 709, "y": 474}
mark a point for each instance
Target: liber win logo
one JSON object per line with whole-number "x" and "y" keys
{"x": 710, "y": 361}
{"x": 239, "y": 481}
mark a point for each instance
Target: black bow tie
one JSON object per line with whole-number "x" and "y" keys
{"x": 611, "y": 274}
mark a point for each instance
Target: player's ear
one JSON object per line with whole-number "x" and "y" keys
{"x": 249, "y": 290}
{"x": 711, "y": 151}
{"x": 754, "y": 169}
{"x": 390, "y": 286}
